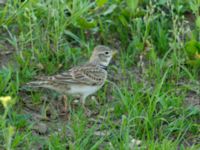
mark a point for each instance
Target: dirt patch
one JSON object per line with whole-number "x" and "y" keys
{"x": 6, "y": 53}
{"x": 4, "y": 59}
{"x": 3, "y": 1}
{"x": 192, "y": 99}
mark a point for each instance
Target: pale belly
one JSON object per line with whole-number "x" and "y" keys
{"x": 83, "y": 90}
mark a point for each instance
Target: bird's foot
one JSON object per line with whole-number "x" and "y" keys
{"x": 87, "y": 111}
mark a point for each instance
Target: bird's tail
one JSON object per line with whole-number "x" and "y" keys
{"x": 34, "y": 84}
{"x": 37, "y": 83}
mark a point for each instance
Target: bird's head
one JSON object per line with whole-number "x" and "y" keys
{"x": 102, "y": 55}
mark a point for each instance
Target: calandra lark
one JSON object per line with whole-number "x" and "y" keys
{"x": 82, "y": 80}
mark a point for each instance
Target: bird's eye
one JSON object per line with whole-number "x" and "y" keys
{"x": 106, "y": 53}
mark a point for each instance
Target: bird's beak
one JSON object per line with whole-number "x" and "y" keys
{"x": 114, "y": 52}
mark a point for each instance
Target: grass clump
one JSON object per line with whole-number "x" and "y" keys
{"x": 153, "y": 91}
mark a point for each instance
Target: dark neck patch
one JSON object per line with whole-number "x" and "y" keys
{"x": 103, "y": 66}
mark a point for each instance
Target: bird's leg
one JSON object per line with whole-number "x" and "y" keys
{"x": 64, "y": 99}
{"x": 82, "y": 99}
{"x": 87, "y": 111}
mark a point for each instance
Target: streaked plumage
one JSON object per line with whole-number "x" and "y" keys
{"x": 83, "y": 80}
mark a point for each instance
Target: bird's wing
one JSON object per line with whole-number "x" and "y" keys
{"x": 88, "y": 75}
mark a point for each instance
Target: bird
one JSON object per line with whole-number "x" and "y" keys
{"x": 83, "y": 80}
